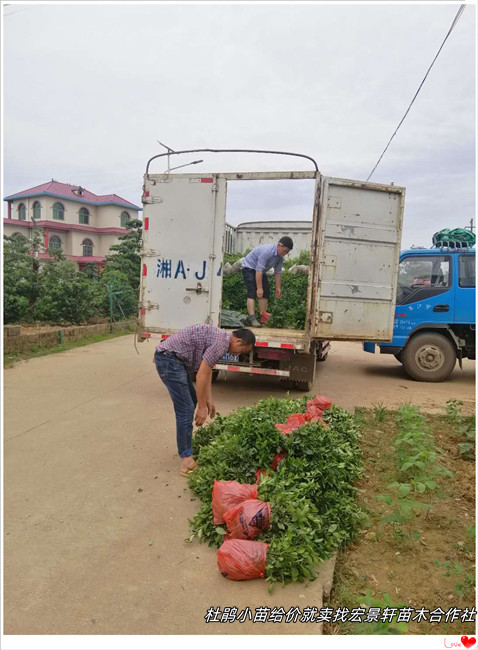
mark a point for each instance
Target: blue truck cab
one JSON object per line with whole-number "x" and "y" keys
{"x": 435, "y": 312}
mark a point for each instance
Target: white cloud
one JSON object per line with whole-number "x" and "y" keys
{"x": 88, "y": 89}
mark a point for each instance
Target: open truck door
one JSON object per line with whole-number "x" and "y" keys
{"x": 355, "y": 245}
{"x": 184, "y": 220}
{"x": 354, "y": 260}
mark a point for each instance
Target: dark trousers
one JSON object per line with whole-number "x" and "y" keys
{"x": 175, "y": 377}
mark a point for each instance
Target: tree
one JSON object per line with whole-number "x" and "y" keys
{"x": 18, "y": 277}
{"x": 66, "y": 294}
{"x": 118, "y": 295}
{"x": 126, "y": 255}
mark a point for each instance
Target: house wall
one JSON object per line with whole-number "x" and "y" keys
{"x": 109, "y": 216}
{"x": 11, "y": 226}
{"x": 106, "y": 216}
{"x": 101, "y": 216}
{"x": 104, "y": 243}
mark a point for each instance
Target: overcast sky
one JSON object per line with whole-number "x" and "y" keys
{"x": 89, "y": 89}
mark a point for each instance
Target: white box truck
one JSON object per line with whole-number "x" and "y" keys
{"x": 354, "y": 255}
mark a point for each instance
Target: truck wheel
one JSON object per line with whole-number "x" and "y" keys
{"x": 302, "y": 385}
{"x": 429, "y": 357}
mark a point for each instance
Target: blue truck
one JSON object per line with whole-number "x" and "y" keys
{"x": 435, "y": 312}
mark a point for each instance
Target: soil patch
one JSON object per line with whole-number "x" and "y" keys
{"x": 435, "y": 570}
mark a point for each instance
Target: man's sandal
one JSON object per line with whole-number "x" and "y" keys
{"x": 186, "y": 472}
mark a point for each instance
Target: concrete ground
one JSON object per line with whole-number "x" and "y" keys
{"x": 96, "y": 515}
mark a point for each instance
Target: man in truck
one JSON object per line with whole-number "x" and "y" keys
{"x": 196, "y": 348}
{"x": 254, "y": 269}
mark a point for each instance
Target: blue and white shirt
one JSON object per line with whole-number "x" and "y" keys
{"x": 262, "y": 258}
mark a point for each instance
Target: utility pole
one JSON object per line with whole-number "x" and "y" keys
{"x": 471, "y": 227}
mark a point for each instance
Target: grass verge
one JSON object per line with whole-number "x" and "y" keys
{"x": 425, "y": 559}
{"x": 12, "y": 358}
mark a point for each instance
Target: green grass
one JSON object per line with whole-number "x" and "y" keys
{"x": 11, "y": 358}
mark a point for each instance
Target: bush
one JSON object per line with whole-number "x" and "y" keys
{"x": 65, "y": 294}
{"x": 289, "y": 311}
{"x": 18, "y": 278}
{"x": 125, "y": 298}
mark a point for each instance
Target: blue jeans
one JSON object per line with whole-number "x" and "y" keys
{"x": 175, "y": 377}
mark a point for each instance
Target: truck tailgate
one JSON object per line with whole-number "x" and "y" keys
{"x": 280, "y": 338}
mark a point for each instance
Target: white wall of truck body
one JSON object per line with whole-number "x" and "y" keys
{"x": 354, "y": 248}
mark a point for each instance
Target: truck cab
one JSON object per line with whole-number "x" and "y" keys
{"x": 435, "y": 312}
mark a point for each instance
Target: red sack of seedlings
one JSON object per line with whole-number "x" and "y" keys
{"x": 227, "y": 494}
{"x": 277, "y": 459}
{"x": 246, "y": 520}
{"x": 313, "y": 413}
{"x": 320, "y": 402}
{"x": 293, "y": 422}
{"x": 315, "y": 416}
{"x": 296, "y": 420}
{"x": 283, "y": 428}
{"x": 241, "y": 559}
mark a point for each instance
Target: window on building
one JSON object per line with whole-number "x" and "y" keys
{"x": 466, "y": 271}
{"x": 58, "y": 211}
{"x": 54, "y": 243}
{"x": 84, "y": 216}
{"x": 124, "y": 219}
{"x": 37, "y": 210}
{"x": 87, "y": 248}
{"x": 22, "y": 212}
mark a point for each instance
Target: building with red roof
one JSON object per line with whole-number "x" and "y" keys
{"x": 82, "y": 224}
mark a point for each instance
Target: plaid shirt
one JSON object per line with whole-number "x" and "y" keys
{"x": 197, "y": 342}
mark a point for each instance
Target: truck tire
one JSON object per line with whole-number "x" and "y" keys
{"x": 429, "y": 357}
{"x": 398, "y": 357}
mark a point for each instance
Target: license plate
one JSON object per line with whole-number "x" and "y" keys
{"x": 230, "y": 357}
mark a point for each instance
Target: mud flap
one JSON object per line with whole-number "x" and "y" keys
{"x": 302, "y": 367}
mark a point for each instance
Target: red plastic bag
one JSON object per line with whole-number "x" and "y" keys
{"x": 321, "y": 402}
{"x": 313, "y": 413}
{"x": 247, "y": 519}
{"x": 242, "y": 559}
{"x": 293, "y": 422}
{"x": 227, "y": 494}
{"x": 296, "y": 420}
{"x": 265, "y": 317}
{"x": 277, "y": 459}
{"x": 283, "y": 428}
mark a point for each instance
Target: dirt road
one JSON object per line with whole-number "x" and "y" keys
{"x": 96, "y": 513}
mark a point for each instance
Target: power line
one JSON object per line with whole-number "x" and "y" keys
{"x": 12, "y": 13}
{"x": 455, "y": 21}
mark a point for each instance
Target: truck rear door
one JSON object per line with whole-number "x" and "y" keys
{"x": 356, "y": 235}
{"x": 183, "y": 226}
